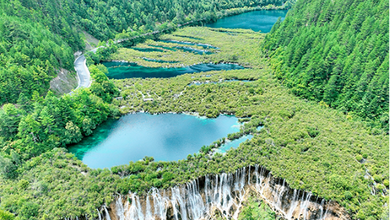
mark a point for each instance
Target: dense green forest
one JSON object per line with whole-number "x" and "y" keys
{"x": 105, "y": 18}
{"x": 30, "y": 56}
{"x": 311, "y": 146}
{"x": 39, "y": 37}
{"x": 43, "y": 123}
{"x": 336, "y": 52}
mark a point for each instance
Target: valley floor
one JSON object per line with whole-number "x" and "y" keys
{"x": 311, "y": 147}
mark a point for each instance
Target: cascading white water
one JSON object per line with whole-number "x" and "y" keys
{"x": 99, "y": 215}
{"x": 322, "y": 208}
{"x": 120, "y": 212}
{"x": 305, "y": 204}
{"x": 159, "y": 202}
{"x": 224, "y": 192}
{"x": 107, "y": 215}
{"x": 294, "y": 204}
{"x": 326, "y": 213}
{"x": 195, "y": 202}
{"x": 148, "y": 209}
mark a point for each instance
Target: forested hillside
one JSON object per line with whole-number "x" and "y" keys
{"x": 30, "y": 54}
{"x": 330, "y": 51}
{"x": 105, "y": 18}
{"x": 39, "y": 37}
{"x": 336, "y": 52}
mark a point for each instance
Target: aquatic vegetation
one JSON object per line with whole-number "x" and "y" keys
{"x": 312, "y": 147}
{"x": 205, "y": 46}
{"x": 308, "y": 144}
{"x": 230, "y": 49}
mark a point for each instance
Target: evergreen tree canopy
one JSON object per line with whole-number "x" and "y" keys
{"x": 336, "y": 52}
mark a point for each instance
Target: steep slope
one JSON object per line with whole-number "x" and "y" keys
{"x": 30, "y": 57}
{"x": 39, "y": 37}
{"x": 105, "y": 18}
{"x": 336, "y": 52}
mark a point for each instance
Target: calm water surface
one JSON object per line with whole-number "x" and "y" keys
{"x": 256, "y": 20}
{"x": 233, "y": 144}
{"x": 166, "y": 137}
{"x": 120, "y": 70}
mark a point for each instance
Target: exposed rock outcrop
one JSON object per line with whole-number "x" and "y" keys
{"x": 223, "y": 195}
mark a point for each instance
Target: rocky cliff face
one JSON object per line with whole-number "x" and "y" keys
{"x": 222, "y": 195}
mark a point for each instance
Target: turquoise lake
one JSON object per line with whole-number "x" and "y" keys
{"x": 256, "y": 20}
{"x": 166, "y": 137}
{"x": 121, "y": 70}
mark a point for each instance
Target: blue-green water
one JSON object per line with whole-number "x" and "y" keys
{"x": 166, "y": 48}
{"x": 146, "y": 49}
{"x": 182, "y": 48}
{"x": 159, "y": 61}
{"x": 234, "y": 143}
{"x": 166, "y": 137}
{"x": 193, "y": 50}
{"x": 120, "y": 70}
{"x": 256, "y": 20}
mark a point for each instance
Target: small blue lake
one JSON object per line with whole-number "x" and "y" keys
{"x": 256, "y": 20}
{"x": 121, "y": 70}
{"x": 166, "y": 137}
{"x": 233, "y": 144}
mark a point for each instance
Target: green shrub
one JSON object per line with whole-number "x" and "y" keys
{"x": 4, "y": 215}
{"x": 348, "y": 195}
{"x": 377, "y": 178}
{"x": 167, "y": 177}
{"x": 23, "y": 184}
{"x": 386, "y": 183}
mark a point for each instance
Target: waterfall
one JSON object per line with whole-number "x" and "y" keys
{"x": 159, "y": 204}
{"x": 224, "y": 193}
{"x": 119, "y": 208}
{"x": 249, "y": 175}
{"x": 196, "y": 206}
{"x": 281, "y": 192}
{"x": 322, "y": 208}
{"x": 206, "y": 192}
{"x": 305, "y": 205}
{"x": 326, "y": 212}
{"x": 179, "y": 201}
{"x": 135, "y": 211}
{"x": 149, "y": 214}
{"x": 100, "y": 217}
{"x": 294, "y": 203}
{"x": 107, "y": 215}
